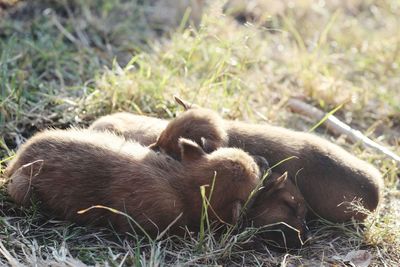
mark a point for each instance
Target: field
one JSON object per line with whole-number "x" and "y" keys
{"x": 65, "y": 63}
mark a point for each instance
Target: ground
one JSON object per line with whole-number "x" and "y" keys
{"x": 65, "y": 63}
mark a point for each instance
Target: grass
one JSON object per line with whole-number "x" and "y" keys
{"x": 65, "y": 63}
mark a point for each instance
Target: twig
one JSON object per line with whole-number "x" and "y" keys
{"x": 338, "y": 127}
{"x": 7, "y": 255}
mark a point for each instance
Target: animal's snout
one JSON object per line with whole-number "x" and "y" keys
{"x": 262, "y": 163}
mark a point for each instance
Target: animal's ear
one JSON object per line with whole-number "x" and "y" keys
{"x": 186, "y": 105}
{"x": 154, "y": 147}
{"x": 181, "y": 102}
{"x": 190, "y": 150}
{"x": 275, "y": 182}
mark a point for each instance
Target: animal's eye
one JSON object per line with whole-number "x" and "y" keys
{"x": 292, "y": 203}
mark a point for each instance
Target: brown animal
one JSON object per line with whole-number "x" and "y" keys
{"x": 328, "y": 177}
{"x": 142, "y": 129}
{"x": 71, "y": 170}
{"x": 280, "y": 206}
{"x": 200, "y": 125}
{"x": 206, "y": 128}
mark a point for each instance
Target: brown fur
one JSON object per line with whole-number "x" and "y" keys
{"x": 200, "y": 125}
{"x": 279, "y": 200}
{"x": 327, "y": 176}
{"x": 146, "y": 131}
{"x": 71, "y": 170}
{"x": 281, "y": 206}
{"x": 205, "y": 126}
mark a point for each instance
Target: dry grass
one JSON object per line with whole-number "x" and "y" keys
{"x": 58, "y": 67}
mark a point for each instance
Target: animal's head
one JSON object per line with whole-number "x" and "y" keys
{"x": 203, "y": 126}
{"x": 229, "y": 173}
{"x": 281, "y": 209}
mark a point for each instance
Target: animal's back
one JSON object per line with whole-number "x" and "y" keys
{"x": 146, "y": 128}
{"x": 326, "y": 174}
{"x": 76, "y": 169}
